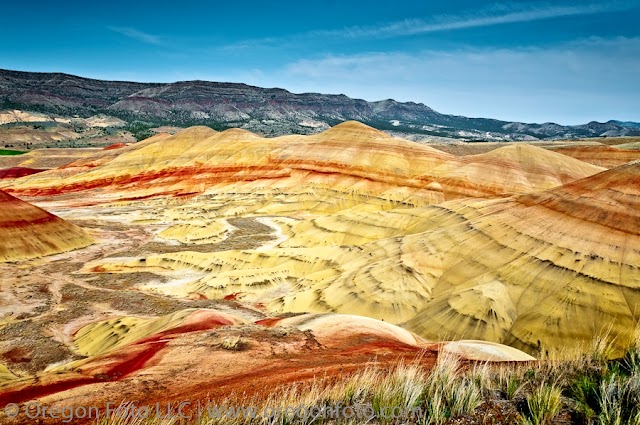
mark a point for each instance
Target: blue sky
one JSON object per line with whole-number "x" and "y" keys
{"x": 533, "y": 61}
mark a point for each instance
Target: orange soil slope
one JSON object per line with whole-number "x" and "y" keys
{"x": 189, "y": 361}
{"x": 114, "y": 146}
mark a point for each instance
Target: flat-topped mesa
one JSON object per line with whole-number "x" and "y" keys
{"x": 29, "y": 232}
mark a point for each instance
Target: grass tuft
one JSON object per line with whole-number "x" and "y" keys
{"x": 543, "y": 405}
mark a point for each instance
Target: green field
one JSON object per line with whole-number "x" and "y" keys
{"x": 10, "y": 152}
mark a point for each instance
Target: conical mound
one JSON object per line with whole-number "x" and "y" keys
{"x": 197, "y": 132}
{"x": 29, "y": 231}
{"x": 515, "y": 168}
{"x": 351, "y": 129}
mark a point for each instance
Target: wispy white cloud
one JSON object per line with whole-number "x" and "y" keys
{"x": 575, "y": 82}
{"x": 496, "y": 14}
{"x": 137, "y": 35}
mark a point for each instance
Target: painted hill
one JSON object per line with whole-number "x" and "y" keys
{"x": 542, "y": 268}
{"x": 29, "y": 231}
{"x": 532, "y": 271}
{"x": 350, "y": 158}
{"x": 228, "y": 262}
{"x": 511, "y": 169}
{"x": 372, "y": 225}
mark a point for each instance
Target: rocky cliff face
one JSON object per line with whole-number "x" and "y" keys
{"x": 267, "y": 111}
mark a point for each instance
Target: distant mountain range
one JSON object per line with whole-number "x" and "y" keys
{"x": 266, "y": 111}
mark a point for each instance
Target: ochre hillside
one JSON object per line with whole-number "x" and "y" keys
{"x": 531, "y": 271}
{"x": 29, "y": 231}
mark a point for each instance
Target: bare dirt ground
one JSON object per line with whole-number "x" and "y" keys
{"x": 44, "y": 301}
{"x": 248, "y": 234}
{"x": 29, "y": 136}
